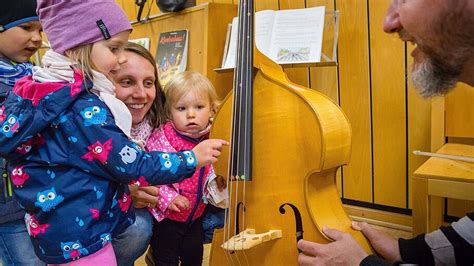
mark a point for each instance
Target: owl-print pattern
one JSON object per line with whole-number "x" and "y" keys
{"x": 94, "y": 115}
{"x": 18, "y": 176}
{"x": 68, "y": 160}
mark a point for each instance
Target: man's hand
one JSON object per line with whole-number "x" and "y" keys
{"x": 385, "y": 245}
{"x": 343, "y": 251}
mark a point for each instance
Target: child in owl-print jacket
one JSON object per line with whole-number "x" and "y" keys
{"x": 68, "y": 167}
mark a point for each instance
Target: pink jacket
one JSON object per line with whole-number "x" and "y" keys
{"x": 166, "y": 139}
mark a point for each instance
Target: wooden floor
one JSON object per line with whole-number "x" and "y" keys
{"x": 207, "y": 247}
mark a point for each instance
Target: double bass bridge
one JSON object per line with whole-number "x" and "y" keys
{"x": 248, "y": 239}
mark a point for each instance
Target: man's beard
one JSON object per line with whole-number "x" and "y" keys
{"x": 434, "y": 77}
{"x": 445, "y": 52}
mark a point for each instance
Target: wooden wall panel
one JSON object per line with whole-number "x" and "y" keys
{"x": 324, "y": 79}
{"x": 388, "y": 110}
{"x": 419, "y": 126}
{"x": 129, "y": 7}
{"x": 355, "y": 97}
{"x": 267, "y": 4}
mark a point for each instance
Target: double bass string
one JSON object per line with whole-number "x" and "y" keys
{"x": 236, "y": 126}
{"x": 240, "y": 159}
{"x": 248, "y": 103}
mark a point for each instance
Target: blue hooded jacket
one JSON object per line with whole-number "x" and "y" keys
{"x": 70, "y": 166}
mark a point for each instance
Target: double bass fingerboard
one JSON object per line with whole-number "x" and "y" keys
{"x": 241, "y": 152}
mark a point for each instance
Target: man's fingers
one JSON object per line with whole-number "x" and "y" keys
{"x": 333, "y": 233}
{"x": 356, "y": 226}
{"x": 305, "y": 260}
{"x": 308, "y": 247}
{"x": 371, "y": 233}
{"x": 366, "y": 229}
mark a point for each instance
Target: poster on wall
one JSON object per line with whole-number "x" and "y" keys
{"x": 171, "y": 54}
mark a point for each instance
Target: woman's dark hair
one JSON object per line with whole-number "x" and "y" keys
{"x": 157, "y": 112}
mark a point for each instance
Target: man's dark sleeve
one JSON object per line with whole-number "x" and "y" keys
{"x": 373, "y": 260}
{"x": 450, "y": 245}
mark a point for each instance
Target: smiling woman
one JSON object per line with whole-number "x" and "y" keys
{"x": 137, "y": 86}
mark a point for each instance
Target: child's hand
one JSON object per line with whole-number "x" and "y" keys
{"x": 179, "y": 203}
{"x": 207, "y": 151}
{"x": 221, "y": 183}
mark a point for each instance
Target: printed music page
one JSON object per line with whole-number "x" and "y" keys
{"x": 297, "y": 35}
{"x": 286, "y": 36}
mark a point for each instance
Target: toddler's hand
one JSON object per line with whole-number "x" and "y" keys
{"x": 179, "y": 203}
{"x": 207, "y": 151}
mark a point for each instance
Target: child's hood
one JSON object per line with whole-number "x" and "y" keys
{"x": 31, "y": 106}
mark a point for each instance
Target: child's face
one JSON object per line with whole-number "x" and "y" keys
{"x": 21, "y": 42}
{"x": 108, "y": 55}
{"x": 191, "y": 113}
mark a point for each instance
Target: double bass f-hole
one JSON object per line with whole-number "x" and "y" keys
{"x": 237, "y": 221}
{"x": 298, "y": 222}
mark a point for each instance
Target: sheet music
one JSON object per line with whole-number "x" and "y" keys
{"x": 285, "y": 36}
{"x": 297, "y": 35}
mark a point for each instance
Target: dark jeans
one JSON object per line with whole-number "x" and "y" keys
{"x": 133, "y": 242}
{"x": 15, "y": 245}
{"x": 177, "y": 241}
{"x": 213, "y": 218}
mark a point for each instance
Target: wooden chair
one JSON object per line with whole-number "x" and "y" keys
{"x": 439, "y": 178}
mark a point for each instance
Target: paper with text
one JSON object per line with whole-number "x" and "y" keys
{"x": 285, "y": 36}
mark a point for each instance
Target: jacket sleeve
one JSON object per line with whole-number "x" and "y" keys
{"x": 373, "y": 260}
{"x": 449, "y": 245}
{"x": 29, "y": 108}
{"x": 100, "y": 147}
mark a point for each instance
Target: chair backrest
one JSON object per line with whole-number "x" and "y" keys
{"x": 452, "y": 117}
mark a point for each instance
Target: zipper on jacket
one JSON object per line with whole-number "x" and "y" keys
{"x": 198, "y": 196}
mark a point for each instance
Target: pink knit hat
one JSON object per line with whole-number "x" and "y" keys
{"x": 70, "y": 23}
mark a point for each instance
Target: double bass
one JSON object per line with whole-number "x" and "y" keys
{"x": 287, "y": 143}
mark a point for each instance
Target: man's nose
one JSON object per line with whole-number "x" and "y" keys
{"x": 391, "y": 23}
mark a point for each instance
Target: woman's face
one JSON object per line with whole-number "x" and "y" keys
{"x": 135, "y": 86}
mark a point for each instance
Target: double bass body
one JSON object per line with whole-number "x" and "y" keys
{"x": 300, "y": 139}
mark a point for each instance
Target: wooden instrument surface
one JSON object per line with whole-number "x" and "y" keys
{"x": 287, "y": 143}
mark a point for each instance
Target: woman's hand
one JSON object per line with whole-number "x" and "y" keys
{"x": 144, "y": 196}
{"x": 179, "y": 203}
{"x": 208, "y": 151}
